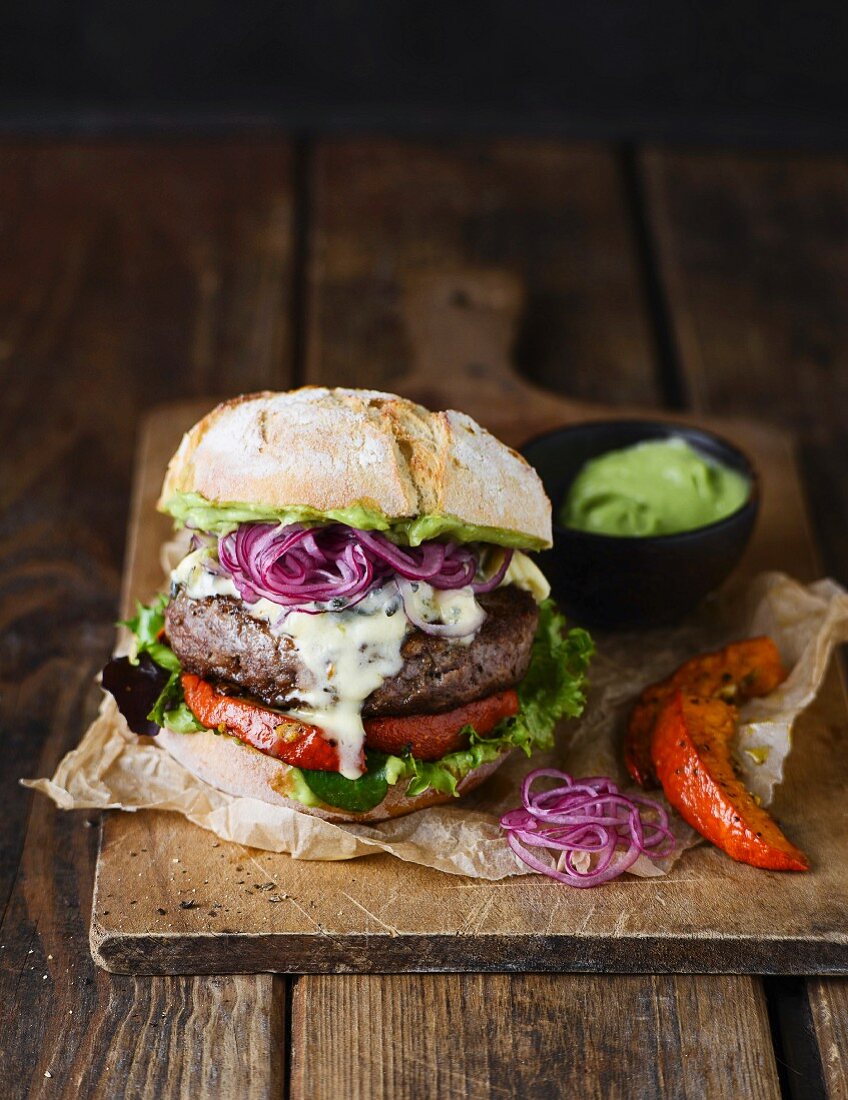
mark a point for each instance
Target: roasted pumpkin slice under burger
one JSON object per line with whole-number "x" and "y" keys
{"x": 425, "y": 736}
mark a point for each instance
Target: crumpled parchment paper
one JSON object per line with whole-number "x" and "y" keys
{"x": 112, "y": 768}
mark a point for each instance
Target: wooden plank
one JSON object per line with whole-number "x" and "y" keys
{"x": 754, "y": 258}
{"x": 529, "y": 1036}
{"x": 131, "y": 273}
{"x": 828, "y": 998}
{"x": 548, "y": 214}
{"x": 170, "y": 1042}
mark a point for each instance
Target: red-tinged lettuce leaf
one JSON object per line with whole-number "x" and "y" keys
{"x": 151, "y": 665}
{"x": 136, "y": 688}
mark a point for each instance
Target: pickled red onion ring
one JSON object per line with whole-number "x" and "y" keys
{"x": 589, "y": 816}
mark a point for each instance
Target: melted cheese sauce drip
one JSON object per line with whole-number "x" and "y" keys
{"x": 349, "y": 653}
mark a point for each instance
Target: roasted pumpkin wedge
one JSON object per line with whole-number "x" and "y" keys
{"x": 691, "y": 753}
{"x": 739, "y": 672}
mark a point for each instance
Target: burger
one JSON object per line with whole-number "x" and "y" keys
{"x": 357, "y": 628}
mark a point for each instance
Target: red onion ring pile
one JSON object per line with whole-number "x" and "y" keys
{"x": 585, "y": 815}
{"x": 296, "y": 566}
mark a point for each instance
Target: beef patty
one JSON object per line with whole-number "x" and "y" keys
{"x": 216, "y": 638}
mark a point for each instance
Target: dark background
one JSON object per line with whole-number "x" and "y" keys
{"x": 730, "y": 73}
{"x": 159, "y": 267}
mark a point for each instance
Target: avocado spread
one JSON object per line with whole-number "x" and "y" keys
{"x": 220, "y": 517}
{"x": 659, "y": 487}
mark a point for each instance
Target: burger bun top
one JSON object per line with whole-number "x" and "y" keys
{"x": 330, "y": 449}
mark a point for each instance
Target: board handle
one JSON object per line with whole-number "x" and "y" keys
{"x": 462, "y": 327}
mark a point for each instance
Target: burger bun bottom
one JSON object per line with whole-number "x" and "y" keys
{"x": 231, "y": 766}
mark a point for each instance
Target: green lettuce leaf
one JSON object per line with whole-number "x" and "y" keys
{"x": 554, "y": 686}
{"x": 179, "y": 719}
{"x": 552, "y": 689}
{"x": 170, "y": 709}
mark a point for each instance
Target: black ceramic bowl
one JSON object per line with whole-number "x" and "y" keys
{"x": 608, "y": 581}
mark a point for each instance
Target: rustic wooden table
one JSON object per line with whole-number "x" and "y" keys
{"x": 134, "y": 272}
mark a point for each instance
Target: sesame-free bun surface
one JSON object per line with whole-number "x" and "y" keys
{"x": 231, "y": 766}
{"x": 329, "y": 449}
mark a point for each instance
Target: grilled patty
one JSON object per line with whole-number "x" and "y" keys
{"x": 216, "y": 638}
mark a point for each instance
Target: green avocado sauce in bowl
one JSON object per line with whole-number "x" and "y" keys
{"x": 658, "y": 487}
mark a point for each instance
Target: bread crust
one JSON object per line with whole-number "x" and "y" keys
{"x": 328, "y": 449}
{"x": 238, "y": 769}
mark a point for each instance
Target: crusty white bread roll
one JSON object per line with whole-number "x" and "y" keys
{"x": 231, "y": 766}
{"x": 334, "y": 448}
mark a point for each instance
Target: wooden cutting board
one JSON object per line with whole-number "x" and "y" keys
{"x": 257, "y": 911}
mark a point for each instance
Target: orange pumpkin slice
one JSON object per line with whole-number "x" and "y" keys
{"x": 691, "y": 752}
